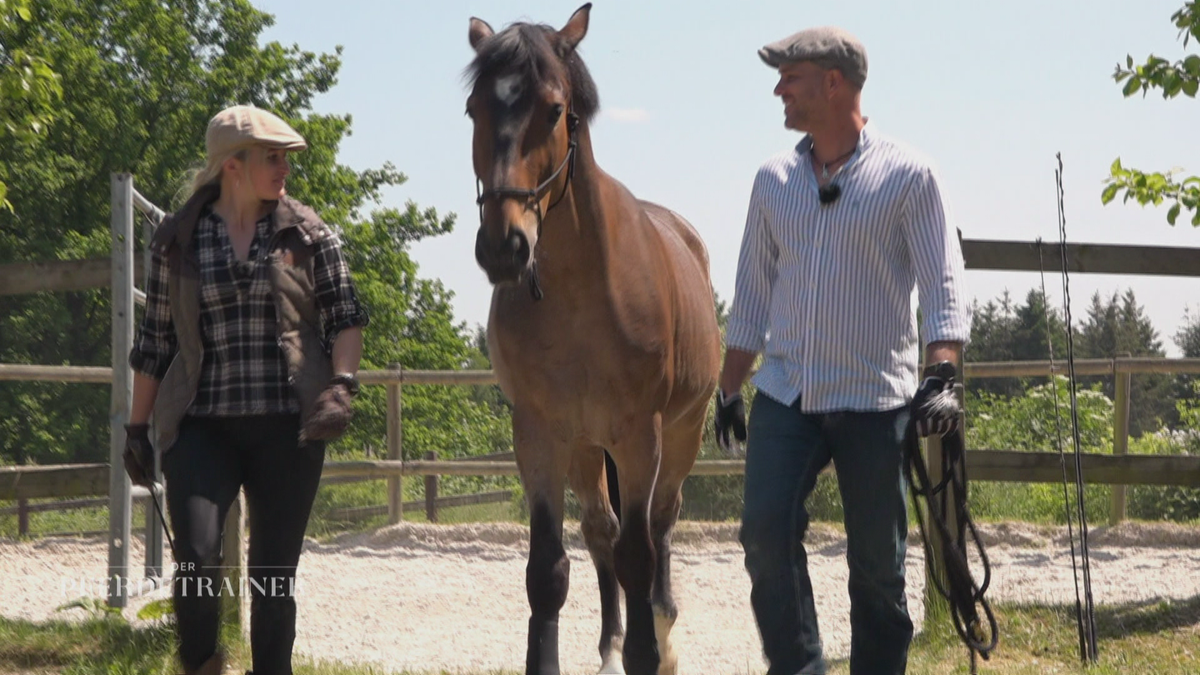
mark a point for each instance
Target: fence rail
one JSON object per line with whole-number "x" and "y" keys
{"x": 398, "y": 376}
{"x": 431, "y": 506}
{"x": 1012, "y": 466}
{"x": 1032, "y": 256}
{"x": 1118, "y": 469}
{"x": 978, "y": 254}
{"x": 58, "y": 275}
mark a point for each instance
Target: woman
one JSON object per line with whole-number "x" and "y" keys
{"x": 247, "y": 357}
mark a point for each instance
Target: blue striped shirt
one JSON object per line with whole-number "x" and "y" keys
{"x": 826, "y": 292}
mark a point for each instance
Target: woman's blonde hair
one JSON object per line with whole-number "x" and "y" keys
{"x": 209, "y": 173}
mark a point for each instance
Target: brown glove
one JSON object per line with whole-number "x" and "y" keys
{"x": 139, "y": 454}
{"x": 330, "y": 416}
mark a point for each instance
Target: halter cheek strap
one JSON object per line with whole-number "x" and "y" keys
{"x": 526, "y": 194}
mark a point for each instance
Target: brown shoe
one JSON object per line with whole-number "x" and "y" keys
{"x": 215, "y": 665}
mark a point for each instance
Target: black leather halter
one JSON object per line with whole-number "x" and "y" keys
{"x": 534, "y": 194}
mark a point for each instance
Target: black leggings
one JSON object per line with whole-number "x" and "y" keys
{"x": 212, "y": 459}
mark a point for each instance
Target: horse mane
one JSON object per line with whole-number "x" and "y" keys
{"x": 536, "y": 51}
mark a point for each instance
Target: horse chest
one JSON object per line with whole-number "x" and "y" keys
{"x": 574, "y": 377}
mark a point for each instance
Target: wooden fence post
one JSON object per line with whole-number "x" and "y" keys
{"x": 1121, "y": 406}
{"x": 431, "y": 491}
{"x": 22, "y": 517}
{"x": 119, "y": 488}
{"x": 394, "y": 448}
{"x": 937, "y": 608}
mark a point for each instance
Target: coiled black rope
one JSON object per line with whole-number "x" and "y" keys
{"x": 973, "y": 618}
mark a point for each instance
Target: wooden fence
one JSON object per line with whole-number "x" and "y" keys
{"x": 120, "y": 270}
{"x": 431, "y": 502}
{"x": 34, "y": 482}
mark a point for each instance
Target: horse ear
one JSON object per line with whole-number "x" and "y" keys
{"x": 572, "y": 33}
{"x": 480, "y": 31}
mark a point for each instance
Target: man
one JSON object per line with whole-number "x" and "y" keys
{"x": 840, "y": 230}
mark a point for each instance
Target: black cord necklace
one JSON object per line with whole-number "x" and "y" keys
{"x": 828, "y": 194}
{"x": 825, "y": 165}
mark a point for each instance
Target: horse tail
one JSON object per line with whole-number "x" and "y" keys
{"x": 614, "y": 490}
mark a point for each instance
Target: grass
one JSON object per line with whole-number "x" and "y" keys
{"x": 1153, "y": 637}
{"x": 1159, "y": 637}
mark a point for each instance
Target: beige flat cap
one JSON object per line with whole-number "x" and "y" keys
{"x": 241, "y": 126}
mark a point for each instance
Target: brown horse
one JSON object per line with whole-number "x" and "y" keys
{"x": 603, "y": 334}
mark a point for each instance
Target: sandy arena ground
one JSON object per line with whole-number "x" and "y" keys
{"x": 452, "y": 597}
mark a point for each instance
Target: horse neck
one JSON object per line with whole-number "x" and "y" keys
{"x": 578, "y": 232}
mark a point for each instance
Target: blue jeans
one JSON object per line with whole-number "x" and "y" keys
{"x": 785, "y": 451}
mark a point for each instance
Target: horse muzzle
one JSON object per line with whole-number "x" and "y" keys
{"x": 505, "y": 261}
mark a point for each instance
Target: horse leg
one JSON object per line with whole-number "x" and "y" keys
{"x": 636, "y": 457}
{"x": 600, "y": 530}
{"x": 680, "y": 447}
{"x": 664, "y": 512}
{"x": 547, "y": 574}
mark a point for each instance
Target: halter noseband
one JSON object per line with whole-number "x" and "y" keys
{"x": 526, "y": 194}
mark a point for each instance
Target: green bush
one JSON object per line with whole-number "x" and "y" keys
{"x": 1171, "y": 502}
{"x": 1028, "y": 422}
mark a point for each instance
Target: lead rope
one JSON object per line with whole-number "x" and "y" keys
{"x": 964, "y": 595}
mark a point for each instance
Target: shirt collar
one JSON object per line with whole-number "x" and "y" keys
{"x": 865, "y": 136}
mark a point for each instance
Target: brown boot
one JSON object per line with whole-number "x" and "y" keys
{"x": 215, "y": 665}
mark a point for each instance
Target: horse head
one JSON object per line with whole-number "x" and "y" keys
{"x": 529, "y": 93}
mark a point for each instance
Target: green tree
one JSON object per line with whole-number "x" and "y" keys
{"x": 1187, "y": 338}
{"x": 29, "y": 87}
{"x": 1004, "y": 331}
{"x": 412, "y": 324}
{"x": 140, "y": 81}
{"x": 492, "y": 396}
{"x": 1120, "y": 326}
{"x": 1171, "y": 78}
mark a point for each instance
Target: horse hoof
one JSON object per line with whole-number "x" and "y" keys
{"x": 612, "y": 666}
{"x": 668, "y": 663}
{"x": 611, "y": 662}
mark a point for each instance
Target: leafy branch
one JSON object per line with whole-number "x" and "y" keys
{"x": 29, "y": 87}
{"x": 1154, "y": 188}
{"x": 1182, "y": 76}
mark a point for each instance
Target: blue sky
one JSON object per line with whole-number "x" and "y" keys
{"x": 991, "y": 91}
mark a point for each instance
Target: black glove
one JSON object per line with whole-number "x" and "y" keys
{"x": 935, "y": 408}
{"x": 139, "y": 454}
{"x": 731, "y": 414}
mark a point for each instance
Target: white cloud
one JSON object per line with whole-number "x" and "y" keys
{"x": 627, "y": 114}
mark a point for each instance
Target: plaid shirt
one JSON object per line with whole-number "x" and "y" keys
{"x": 244, "y": 371}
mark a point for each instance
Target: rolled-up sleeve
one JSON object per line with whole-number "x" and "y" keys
{"x": 749, "y": 314}
{"x": 337, "y": 299}
{"x": 938, "y": 261}
{"x": 155, "y": 344}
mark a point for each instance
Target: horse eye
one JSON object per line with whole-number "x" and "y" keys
{"x": 555, "y": 112}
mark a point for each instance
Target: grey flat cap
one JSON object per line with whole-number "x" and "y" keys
{"x": 827, "y": 46}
